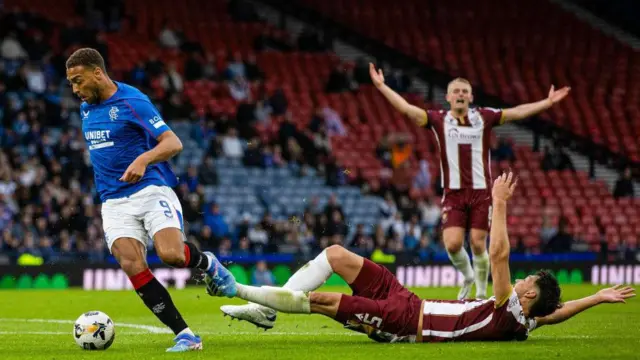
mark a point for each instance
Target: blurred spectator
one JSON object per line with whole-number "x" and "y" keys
{"x": 502, "y": 150}
{"x": 562, "y": 241}
{"x": 341, "y": 79}
{"x": 168, "y": 37}
{"x": 556, "y": 159}
{"x": 239, "y": 88}
{"x": 259, "y": 238}
{"x": 251, "y": 68}
{"x": 624, "y": 185}
{"x": 11, "y": 49}
{"x": 262, "y": 276}
{"x": 208, "y": 174}
{"x": 235, "y": 67}
{"x": 214, "y": 220}
{"x": 172, "y": 79}
{"x": 232, "y": 145}
{"x": 423, "y": 177}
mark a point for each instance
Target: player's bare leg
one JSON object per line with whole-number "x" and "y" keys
{"x": 131, "y": 255}
{"x": 453, "y": 238}
{"x": 480, "y": 261}
{"x": 308, "y": 278}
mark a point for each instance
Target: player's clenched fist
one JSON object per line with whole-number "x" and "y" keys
{"x": 135, "y": 171}
{"x": 504, "y": 186}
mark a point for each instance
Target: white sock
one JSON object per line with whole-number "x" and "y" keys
{"x": 186, "y": 331}
{"x": 481, "y": 268}
{"x": 312, "y": 275}
{"x": 280, "y": 299}
{"x": 309, "y": 277}
{"x": 462, "y": 262}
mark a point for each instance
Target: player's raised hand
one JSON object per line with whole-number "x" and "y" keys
{"x": 504, "y": 186}
{"x": 135, "y": 171}
{"x": 616, "y": 294}
{"x": 557, "y": 95}
{"x": 376, "y": 76}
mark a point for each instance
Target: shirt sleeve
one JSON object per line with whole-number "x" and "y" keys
{"x": 494, "y": 117}
{"x": 145, "y": 115}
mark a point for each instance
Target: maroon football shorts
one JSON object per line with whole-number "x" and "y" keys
{"x": 467, "y": 208}
{"x": 379, "y": 300}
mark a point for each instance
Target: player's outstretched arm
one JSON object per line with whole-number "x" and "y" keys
{"x": 399, "y": 103}
{"x": 499, "y": 247}
{"x": 612, "y": 295}
{"x": 168, "y": 146}
{"x": 526, "y": 110}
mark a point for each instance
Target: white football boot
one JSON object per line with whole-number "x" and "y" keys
{"x": 260, "y": 316}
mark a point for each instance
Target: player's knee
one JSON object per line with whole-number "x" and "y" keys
{"x": 172, "y": 257}
{"x": 337, "y": 256}
{"x": 132, "y": 266}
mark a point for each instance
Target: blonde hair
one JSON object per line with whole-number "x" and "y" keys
{"x": 458, "y": 79}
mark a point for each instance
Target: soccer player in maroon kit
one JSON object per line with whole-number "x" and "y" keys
{"x": 385, "y": 310}
{"x": 463, "y": 136}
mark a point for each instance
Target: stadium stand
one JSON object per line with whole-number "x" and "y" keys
{"x": 269, "y": 189}
{"x": 517, "y": 65}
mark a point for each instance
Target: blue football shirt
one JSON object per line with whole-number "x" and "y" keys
{"x": 117, "y": 131}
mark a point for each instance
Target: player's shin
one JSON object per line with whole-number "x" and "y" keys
{"x": 312, "y": 275}
{"x": 309, "y": 277}
{"x": 481, "y": 268}
{"x": 280, "y": 299}
{"x": 158, "y": 300}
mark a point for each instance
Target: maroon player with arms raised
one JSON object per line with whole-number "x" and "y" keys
{"x": 381, "y": 307}
{"x": 463, "y": 136}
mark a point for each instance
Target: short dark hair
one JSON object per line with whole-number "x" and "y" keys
{"x": 548, "y": 295}
{"x": 86, "y": 57}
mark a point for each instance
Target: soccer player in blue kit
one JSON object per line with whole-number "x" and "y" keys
{"x": 129, "y": 145}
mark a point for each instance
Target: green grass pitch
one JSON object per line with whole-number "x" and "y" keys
{"x": 38, "y": 325}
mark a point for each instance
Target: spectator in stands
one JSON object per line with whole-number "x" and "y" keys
{"x": 252, "y": 70}
{"x": 154, "y": 66}
{"x": 239, "y": 89}
{"x": 361, "y": 71}
{"x": 11, "y": 49}
{"x": 235, "y": 67}
{"x": 232, "y": 146}
{"x": 214, "y": 220}
{"x": 210, "y": 69}
{"x": 502, "y": 150}
{"x": 422, "y": 180}
{"x": 193, "y": 69}
{"x": 172, "y": 80}
{"x": 244, "y": 247}
{"x": 208, "y": 174}
{"x": 259, "y": 238}
{"x": 548, "y": 229}
{"x": 168, "y": 37}
{"x": 556, "y": 159}
{"x": 561, "y": 242}
{"x": 263, "y": 110}
{"x": 341, "y": 79}
{"x": 191, "y": 178}
{"x": 624, "y": 185}
{"x": 225, "y": 248}
{"x": 262, "y": 276}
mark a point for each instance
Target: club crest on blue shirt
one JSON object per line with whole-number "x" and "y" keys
{"x": 113, "y": 113}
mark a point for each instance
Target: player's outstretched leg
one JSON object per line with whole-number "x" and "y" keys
{"x": 453, "y": 238}
{"x": 130, "y": 253}
{"x": 308, "y": 278}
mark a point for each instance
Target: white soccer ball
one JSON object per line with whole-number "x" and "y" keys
{"x": 94, "y": 330}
